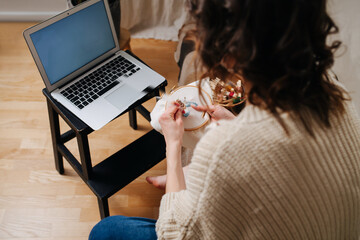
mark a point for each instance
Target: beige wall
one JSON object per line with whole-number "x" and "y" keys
{"x": 30, "y": 10}
{"x": 346, "y": 14}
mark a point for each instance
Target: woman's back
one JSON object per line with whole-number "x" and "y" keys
{"x": 258, "y": 182}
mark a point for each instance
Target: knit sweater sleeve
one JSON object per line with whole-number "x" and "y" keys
{"x": 178, "y": 211}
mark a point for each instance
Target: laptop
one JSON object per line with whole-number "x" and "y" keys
{"x": 78, "y": 56}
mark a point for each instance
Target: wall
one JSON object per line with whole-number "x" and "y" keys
{"x": 346, "y": 14}
{"x": 30, "y": 10}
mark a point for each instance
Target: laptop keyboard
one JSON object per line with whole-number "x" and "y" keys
{"x": 91, "y": 87}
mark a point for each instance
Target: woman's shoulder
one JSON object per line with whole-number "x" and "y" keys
{"x": 247, "y": 131}
{"x": 249, "y": 122}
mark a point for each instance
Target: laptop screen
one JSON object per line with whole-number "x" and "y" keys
{"x": 69, "y": 44}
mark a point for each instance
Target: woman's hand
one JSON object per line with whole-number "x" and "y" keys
{"x": 216, "y": 112}
{"x": 173, "y": 129}
{"x": 172, "y": 125}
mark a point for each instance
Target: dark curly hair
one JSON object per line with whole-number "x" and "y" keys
{"x": 278, "y": 46}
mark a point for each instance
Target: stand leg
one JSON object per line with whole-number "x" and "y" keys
{"x": 85, "y": 157}
{"x": 55, "y": 137}
{"x": 103, "y": 207}
{"x": 132, "y": 119}
{"x": 144, "y": 112}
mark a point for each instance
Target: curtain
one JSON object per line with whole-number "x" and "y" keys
{"x": 160, "y": 19}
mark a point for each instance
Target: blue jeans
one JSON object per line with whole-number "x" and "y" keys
{"x": 121, "y": 227}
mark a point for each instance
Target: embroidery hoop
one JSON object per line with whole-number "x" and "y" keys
{"x": 174, "y": 95}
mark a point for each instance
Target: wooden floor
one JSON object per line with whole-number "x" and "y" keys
{"x": 35, "y": 201}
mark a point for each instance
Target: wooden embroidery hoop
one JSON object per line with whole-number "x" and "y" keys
{"x": 207, "y": 97}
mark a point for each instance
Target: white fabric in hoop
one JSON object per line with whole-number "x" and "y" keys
{"x": 197, "y": 123}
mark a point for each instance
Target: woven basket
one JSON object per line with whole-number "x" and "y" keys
{"x": 231, "y": 102}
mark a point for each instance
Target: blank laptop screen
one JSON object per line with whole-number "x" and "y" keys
{"x": 69, "y": 44}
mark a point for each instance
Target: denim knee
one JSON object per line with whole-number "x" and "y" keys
{"x": 121, "y": 227}
{"x": 103, "y": 229}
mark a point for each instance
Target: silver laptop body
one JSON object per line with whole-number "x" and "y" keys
{"x": 78, "y": 56}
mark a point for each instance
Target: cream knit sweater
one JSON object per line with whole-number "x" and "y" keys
{"x": 249, "y": 180}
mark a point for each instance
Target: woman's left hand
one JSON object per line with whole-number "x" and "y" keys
{"x": 172, "y": 125}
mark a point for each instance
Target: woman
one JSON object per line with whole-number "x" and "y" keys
{"x": 288, "y": 166}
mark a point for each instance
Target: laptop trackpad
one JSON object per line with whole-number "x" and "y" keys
{"x": 123, "y": 97}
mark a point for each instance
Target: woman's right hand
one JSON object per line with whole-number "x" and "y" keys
{"x": 216, "y": 112}
{"x": 172, "y": 125}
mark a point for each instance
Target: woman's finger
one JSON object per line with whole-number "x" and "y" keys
{"x": 178, "y": 114}
{"x": 210, "y": 108}
{"x": 199, "y": 108}
{"x": 172, "y": 110}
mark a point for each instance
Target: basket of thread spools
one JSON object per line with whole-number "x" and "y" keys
{"x": 228, "y": 94}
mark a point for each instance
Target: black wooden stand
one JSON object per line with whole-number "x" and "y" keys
{"x": 116, "y": 171}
